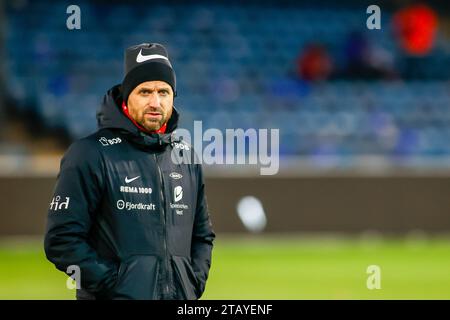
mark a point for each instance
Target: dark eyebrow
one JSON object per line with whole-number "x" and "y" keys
{"x": 145, "y": 89}
{"x": 151, "y": 89}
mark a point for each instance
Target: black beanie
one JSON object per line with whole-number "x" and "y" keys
{"x": 146, "y": 62}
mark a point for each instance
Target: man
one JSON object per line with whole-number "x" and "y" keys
{"x": 129, "y": 207}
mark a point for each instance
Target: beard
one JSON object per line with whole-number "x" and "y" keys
{"x": 153, "y": 119}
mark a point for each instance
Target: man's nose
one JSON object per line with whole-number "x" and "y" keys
{"x": 154, "y": 99}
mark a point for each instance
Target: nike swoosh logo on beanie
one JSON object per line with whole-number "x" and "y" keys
{"x": 147, "y": 62}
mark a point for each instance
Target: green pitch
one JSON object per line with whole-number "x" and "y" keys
{"x": 271, "y": 268}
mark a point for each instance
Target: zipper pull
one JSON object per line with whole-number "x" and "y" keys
{"x": 159, "y": 139}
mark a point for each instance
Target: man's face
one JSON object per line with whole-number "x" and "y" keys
{"x": 150, "y": 104}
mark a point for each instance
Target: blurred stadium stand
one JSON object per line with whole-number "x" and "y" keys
{"x": 236, "y": 69}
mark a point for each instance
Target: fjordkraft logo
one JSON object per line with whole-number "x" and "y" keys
{"x": 122, "y": 205}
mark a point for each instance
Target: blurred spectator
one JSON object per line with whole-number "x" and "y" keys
{"x": 58, "y": 85}
{"x": 366, "y": 61}
{"x": 315, "y": 63}
{"x": 415, "y": 29}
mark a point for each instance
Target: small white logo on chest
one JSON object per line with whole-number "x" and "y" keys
{"x": 178, "y": 193}
{"x": 132, "y": 179}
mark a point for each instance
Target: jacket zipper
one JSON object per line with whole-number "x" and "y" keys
{"x": 166, "y": 257}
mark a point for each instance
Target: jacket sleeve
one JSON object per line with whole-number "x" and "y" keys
{"x": 76, "y": 196}
{"x": 202, "y": 237}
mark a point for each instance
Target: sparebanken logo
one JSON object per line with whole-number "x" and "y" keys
{"x": 177, "y": 196}
{"x": 178, "y": 193}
